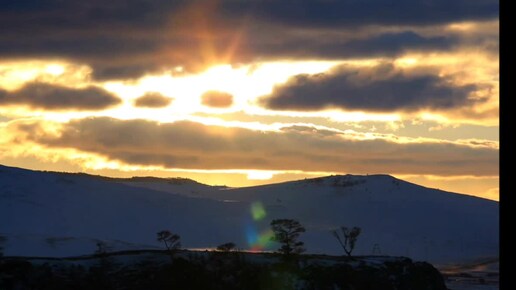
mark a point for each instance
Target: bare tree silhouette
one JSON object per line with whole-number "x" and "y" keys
{"x": 171, "y": 241}
{"x": 350, "y": 237}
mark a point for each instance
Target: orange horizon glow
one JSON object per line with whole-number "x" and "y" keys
{"x": 247, "y": 83}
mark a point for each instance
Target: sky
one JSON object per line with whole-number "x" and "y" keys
{"x": 240, "y": 93}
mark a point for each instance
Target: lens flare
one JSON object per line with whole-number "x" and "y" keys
{"x": 258, "y": 211}
{"x": 264, "y": 239}
{"x": 258, "y": 241}
{"x": 251, "y": 235}
{"x": 258, "y": 234}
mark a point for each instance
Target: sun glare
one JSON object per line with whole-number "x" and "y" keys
{"x": 55, "y": 69}
{"x": 260, "y": 175}
{"x": 243, "y": 83}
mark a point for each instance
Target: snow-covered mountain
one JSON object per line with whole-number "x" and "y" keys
{"x": 61, "y": 214}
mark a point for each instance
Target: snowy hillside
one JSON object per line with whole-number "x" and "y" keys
{"x": 55, "y": 214}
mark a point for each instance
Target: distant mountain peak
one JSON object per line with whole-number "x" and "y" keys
{"x": 169, "y": 180}
{"x": 347, "y": 180}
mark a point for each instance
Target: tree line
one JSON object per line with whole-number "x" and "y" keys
{"x": 285, "y": 231}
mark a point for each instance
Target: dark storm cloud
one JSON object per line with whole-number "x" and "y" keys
{"x": 119, "y": 39}
{"x": 312, "y": 46}
{"x": 196, "y": 146}
{"x": 344, "y": 13}
{"x": 128, "y": 38}
{"x": 311, "y": 13}
{"x": 381, "y": 89}
{"x": 152, "y": 100}
{"x": 54, "y": 97}
{"x": 217, "y": 99}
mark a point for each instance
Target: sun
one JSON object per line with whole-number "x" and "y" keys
{"x": 245, "y": 83}
{"x": 260, "y": 175}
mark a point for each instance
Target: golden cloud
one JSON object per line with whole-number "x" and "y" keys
{"x": 191, "y": 145}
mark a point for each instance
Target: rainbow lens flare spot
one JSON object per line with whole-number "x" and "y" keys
{"x": 258, "y": 211}
{"x": 258, "y": 240}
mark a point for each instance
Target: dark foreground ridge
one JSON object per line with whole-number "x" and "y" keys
{"x": 217, "y": 270}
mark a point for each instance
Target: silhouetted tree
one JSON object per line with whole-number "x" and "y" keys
{"x": 170, "y": 240}
{"x": 350, "y": 238}
{"x": 227, "y": 247}
{"x": 102, "y": 248}
{"x": 286, "y": 232}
